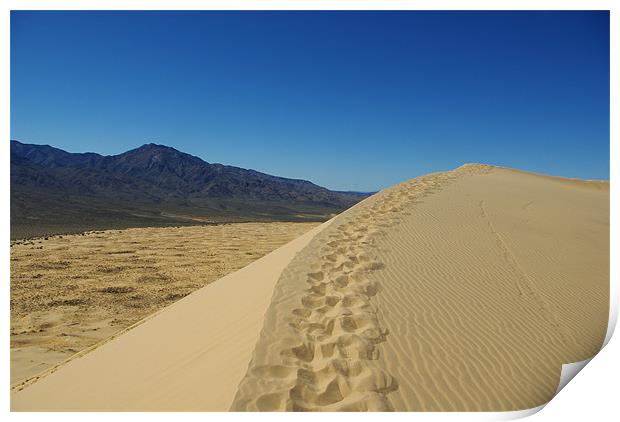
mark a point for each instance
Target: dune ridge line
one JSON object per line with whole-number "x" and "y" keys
{"x": 320, "y": 344}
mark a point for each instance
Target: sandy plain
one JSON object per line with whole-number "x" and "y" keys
{"x": 70, "y": 292}
{"x": 457, "y": 291}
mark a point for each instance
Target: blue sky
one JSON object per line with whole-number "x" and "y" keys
{"x": 348, "y": 100}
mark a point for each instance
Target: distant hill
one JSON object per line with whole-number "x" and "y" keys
{"x": 54, "y": 191}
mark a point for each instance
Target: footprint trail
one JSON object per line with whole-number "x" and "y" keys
{"x": 319, "y": 347}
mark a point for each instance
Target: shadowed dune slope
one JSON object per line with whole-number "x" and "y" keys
{"x": 464, "y": 290}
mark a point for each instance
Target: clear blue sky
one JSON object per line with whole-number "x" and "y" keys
{"x": 348, "y": 100}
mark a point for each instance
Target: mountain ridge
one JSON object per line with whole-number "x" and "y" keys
{"x": 153, "y": 180}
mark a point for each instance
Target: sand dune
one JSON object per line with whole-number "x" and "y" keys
{"x": 462, "y": 290}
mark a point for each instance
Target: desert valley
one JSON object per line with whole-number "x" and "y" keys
{"x": 462, "y": 290}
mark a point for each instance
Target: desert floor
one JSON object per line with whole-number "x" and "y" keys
{"x": 463, "y": 290}
{"x": 71, "y": 292}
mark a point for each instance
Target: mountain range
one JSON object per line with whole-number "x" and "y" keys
{"x": 55, "y": 192}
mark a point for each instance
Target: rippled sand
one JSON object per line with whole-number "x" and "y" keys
{"x": 457, "y": 291}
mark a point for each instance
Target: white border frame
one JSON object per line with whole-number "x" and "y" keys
{"x": 590, "y": 396}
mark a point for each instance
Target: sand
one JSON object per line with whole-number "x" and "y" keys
{"x": 71, "y": 292}
{"x": 462, "y": 290}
